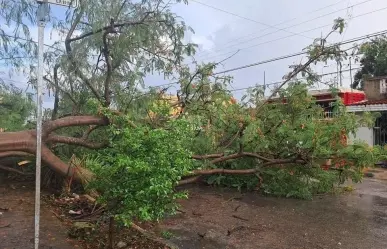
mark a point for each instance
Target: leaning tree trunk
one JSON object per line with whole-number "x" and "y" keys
{"x": 23, "y": 143}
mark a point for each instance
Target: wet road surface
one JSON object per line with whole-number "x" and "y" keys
{"x": 215, "y": 219}
{"x": 356, "y": 220}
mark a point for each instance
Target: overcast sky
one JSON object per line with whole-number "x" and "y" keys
{"x": 263, "y": 30}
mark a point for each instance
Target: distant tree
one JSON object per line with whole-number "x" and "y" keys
{"x": 15, "y": 108}
{"x": 374, "y": 61}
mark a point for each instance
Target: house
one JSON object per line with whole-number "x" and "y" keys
{"x": 325, "y": 98}
{"x": 377, "y": 135}
{"x": 376, "y": 93}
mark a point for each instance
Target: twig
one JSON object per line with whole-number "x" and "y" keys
{"x": 57, "y": 216}
{"x": 6, "y": 225}
{"x": 14, "y": 170}
{"x": 233, "y": 198}
{"x": 238, "y": 217}
{"x": 238, "y": 228}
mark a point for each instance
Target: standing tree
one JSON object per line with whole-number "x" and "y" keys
{"x": 15, "y": 108}
{"x": 373, "y": 62}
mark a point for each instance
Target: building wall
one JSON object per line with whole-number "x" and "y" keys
{"x": 364, "y": 134}
{"x": 375, "y": 89}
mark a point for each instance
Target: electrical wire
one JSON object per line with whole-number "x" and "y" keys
{"x": 281, "y": 38}
{"x": 283, "y": 57}
{"x": 295, "y": 25}
{"x": 300, "y": 53}
{"x": 279, "y": 82}
{"x": 278, "y": 24}
{"x": 249, "y": 19}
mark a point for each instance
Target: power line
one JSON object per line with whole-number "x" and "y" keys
{"x": 284, "y": 57}
{"x": 300, "y": 53}
{"x": 278, "y": 24}
{"x": 279, "y": 82}
{"x": 291, "y": 26}
{"x": 248, "y": 19}
{"x": 16, "y": 57}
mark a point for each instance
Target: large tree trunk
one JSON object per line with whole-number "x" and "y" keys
{"x": 23, "y": 143}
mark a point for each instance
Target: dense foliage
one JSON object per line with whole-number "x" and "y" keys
{"x": 16, "y": 108}
{"x": 138, "y": 172}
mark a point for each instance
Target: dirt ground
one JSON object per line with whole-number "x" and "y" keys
{"x": 215, "y": 219}
{"x": 17, "y": 220}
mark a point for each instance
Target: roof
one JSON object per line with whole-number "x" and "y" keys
{"x": 377, "y": 78}
{"x": 370, "y": 102}
{"x": 322, "y": 92}
{"x": 368, "y": 106}
{"x": 328, "y": 91}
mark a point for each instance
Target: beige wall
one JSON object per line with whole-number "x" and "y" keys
{"x": 375, "y": 89}
{"x": 364, "y": 134}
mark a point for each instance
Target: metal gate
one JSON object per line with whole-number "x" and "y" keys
{"x": 380, "y": 130}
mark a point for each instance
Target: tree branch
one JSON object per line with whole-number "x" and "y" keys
{"x": 239, "y": 155}
{"x": 70, "y": 55}
{"x": 89, "y": 130}
{"x": 13, "y": 170}
{"x": 204, "y": 157}
{"x": 298, "y": 69}
{"x": 109, "y": 68}
{"x": 196, "y": 174}
{"x": 15, "y": 154}
{"x": 117, "y": 25}
{"x": 56, "y": 100}
{"x": 75, "y": 141}
{"x": 54, "y": 125}
{"x": 61, "y": 89}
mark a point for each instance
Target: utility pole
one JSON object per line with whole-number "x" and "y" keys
{"x": 264, "y": 82}
{"x": 341, "y": 75}
{"x": 337, "y": 75}
{"x": 350, "y": 71}
{"x": 42, "y": 18}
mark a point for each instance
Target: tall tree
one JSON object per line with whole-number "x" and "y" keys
{"x": 373, "y": 62}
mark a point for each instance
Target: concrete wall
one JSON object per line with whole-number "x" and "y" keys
{"x": 375, "y": 89}
{"x": 363, "y": 133}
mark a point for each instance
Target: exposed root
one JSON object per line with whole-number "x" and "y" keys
{"x": 14, "y": 170}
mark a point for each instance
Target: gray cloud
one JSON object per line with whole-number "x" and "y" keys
{"x": 221, "y": 28}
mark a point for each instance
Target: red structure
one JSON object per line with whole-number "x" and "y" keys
{"x": 348, "y": 96}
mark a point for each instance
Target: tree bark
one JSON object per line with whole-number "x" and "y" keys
{"x": 23, "y": 144}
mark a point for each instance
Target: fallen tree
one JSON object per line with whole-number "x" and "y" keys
{"x": 96, "y": 76}
{"x": 23, "y": 143}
